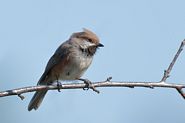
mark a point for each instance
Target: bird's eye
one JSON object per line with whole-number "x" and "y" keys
{"x": 90, "y": 40}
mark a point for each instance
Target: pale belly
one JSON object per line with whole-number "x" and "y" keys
{"x": 76, "y": 68}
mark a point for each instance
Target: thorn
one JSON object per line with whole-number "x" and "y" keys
{"x": 108, "y": 79}
{"x": 21, "y": 96}
{"x": 165, "y": 71}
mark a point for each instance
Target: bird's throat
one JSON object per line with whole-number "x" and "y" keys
{"x": 90, "y": 51}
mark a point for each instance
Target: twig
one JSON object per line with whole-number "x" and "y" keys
{"x": 21, "y": 96}
{"x": 167, "y": 72}
{"x": 151, "y": 85}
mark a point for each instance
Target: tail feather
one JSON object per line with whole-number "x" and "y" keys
{"x": 36, "y": 100}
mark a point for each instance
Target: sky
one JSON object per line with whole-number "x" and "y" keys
{"x": 140, "y": 39}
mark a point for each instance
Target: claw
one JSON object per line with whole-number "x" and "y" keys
{"x": 89, "y": 85}
{"x": 58, "y": 85}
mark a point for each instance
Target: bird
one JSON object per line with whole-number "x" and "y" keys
{"x": 69, "y": 62}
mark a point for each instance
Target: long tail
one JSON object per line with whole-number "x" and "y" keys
{"x": 36, "y": 100}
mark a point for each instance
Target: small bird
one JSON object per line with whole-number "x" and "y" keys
{"x": 69, "y": 62}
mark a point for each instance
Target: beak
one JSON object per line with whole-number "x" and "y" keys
{"x": 100, "y": 45}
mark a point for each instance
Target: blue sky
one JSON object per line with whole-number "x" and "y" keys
{"x": 140, "y": 38}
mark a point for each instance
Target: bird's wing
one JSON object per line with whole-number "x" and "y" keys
{"x": 61, "y": 52}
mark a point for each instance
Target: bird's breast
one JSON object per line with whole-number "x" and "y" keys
{"x": 76, "y": 67}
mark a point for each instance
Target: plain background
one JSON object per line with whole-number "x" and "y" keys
{"x": 140, "y": 38}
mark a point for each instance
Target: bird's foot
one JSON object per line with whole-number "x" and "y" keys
{"x": 59, "y": 84}
{"x": 88, "y": 84}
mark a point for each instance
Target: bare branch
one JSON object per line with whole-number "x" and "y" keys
{"x": 109, "y": 83}
{"x": 21, "y": 96}
{"x": 167, "y": 72}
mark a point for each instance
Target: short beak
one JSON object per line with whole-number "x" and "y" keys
{"x": 100, "y": 45}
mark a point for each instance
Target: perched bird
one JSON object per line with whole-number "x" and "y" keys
{"x": 69, "y": 62}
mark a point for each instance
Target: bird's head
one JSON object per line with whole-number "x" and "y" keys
{"x": 87, "y": 39}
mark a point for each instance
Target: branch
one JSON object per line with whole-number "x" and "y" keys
{"x": 107, "y": 83}
{"x": 167, "y": 72}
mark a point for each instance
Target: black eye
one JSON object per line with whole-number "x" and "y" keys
{"x": 90, "y": 40}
